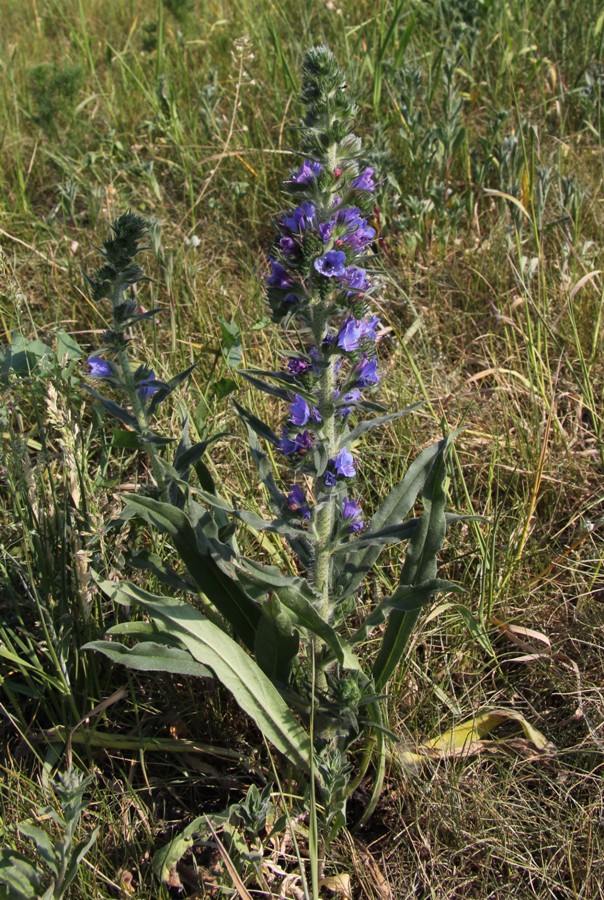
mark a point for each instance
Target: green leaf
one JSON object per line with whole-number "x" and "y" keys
{"x": 298, "y": 596}
{"x": 256, "y": 425}
{"x": 420, "y": 565}
{"x": 151, "y": 656}
{"x": 367, "y": 424}
{"x": 272, "y": 389}
{"x": 114, "y": 409}
{"x": 43, "y": 842}
{"x": 78, "y": 855}
{"x": 276, "y": 642}
{"x": 166, "y": 389}
{"x": 278, "y": 526}
{"x": 219, "y": 586}
{"x": 406, "y": 598}
{"x": 19, "y": 875}
{"x": 166, "y": 858}
{"x": 67, "y": 346}
{"x": 299, "y": 543}
{"x": 128, "y": 440}
{"x": 393, "y": 510}
{"x": 389, "y": 535}
{"x": 232, "y": 352}
{"x": 151, "y": 562}
{"x": 211, "y": 647}
{"x": 222, "y": 387}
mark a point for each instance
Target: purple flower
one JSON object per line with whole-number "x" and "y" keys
{"x": 300, "y": 219}
{"x": 308, "y": 172}
{"x": 343, "y": 464}
{"x": 296, "y": 502}
{"x": 355, "y": 278}
{"x": 353, "y": 331}
{"x": 349, "y": 216}
{"x": 298, "y": 366}
{"x": 326, "y": 230}
{"x": 352, "y": 515}
{"x": 147, "y": 386}
{"x": 367, "y": 372}
{"x": 299, "y": 444}
{"x": 332, "y": 265}
{"x": 330, "y": 479}
{"x": 99, "y": 367}
{"x": 279, "y": 277}
{"x": 299, "y": 410}
{"x": 287, "y": 246}
{"x": 365, "y": 181}
{"x": 350, "y": 397}
{"x": 361, "y": 236}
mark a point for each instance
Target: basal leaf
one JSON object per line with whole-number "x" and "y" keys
{"x": 212, "y": 647}
{"x": 420, "y": 565}
{"x": 210, "y": 577}
{"x": 150, "y": 656}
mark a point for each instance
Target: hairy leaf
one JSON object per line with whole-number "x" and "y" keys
{"x": 211, "y": 647}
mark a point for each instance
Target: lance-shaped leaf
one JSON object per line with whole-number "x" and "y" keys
{"x": 219, "y": 587}
{"x": 392, "y": 534}
{"x": 420, "y": 565}
{"x": 290, "y": 381}
{"x": 299, "y": 543}
{"x": 166, "y": 388}
{"x": 406, "y": 598}
{"x": 19, "y": 875}
{"x": 150, "y": 656}
{"x": 261, "y": 385}
{"x": 212, "y": 647}
{"x": 389, "y": 535}
{"x": 114, "y": 408}
{"x": 393, "y": 510}
{"x": 278, "y": 526}
{"x": 151, "y": 562}
{"x": 257, "y": 425}
{"x": 367, "y": 424}
{"x": 298, "y": 596}
{"x": 277, "y": 642}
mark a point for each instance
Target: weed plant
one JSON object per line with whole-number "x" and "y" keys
{"x": 491, "y": 313}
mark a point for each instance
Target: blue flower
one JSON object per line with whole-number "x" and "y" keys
{"x": 279, "y": 277}
{"x": 343, "y": 464}
{"x": 332, "y": 265}
{"x": 308, "y": 172}
{"x": 326, "y": 231}
{"x": 355, "y": 278}
{"x": 99, "y": 367}
{"x": 299, "y": 444}
{"x": 367, "y": 372}
{"x": 330, "y": 479}
{"x": 299, "y": 411}
{"x": 287, "y": 245}
{"x": 352, "y": 515}
{"x": 350, "y": 397}
{"x": 362, "y": 235}
{"x": 300, "y": 219}
{"x": 365, "y": 181}
{"x": 147, "y": 386}
{"x": 353, "y": 331}
{"x": 296, "y": 502}
{"x": 298, "y": 366}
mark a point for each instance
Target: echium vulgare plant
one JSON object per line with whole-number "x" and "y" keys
{"x": 286, "y": 645}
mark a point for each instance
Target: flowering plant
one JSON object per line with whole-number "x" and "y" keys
{"x": 287, "y": 646}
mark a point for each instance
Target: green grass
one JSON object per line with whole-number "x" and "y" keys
{"x": 494, "y": 314}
